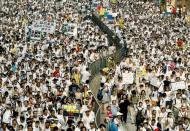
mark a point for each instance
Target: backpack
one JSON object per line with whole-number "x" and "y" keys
{"x": 100, "y": 95}
{"x": 139, "y": 117}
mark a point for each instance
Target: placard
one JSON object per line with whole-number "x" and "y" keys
{"x": 70, "y": 29}
{"x": 128, "y": 78}
{"x": 70, "y": 110}
{"x": 155, "y": 82}
{"x": 44, "y": 26}
{"x": 178, "y": 85}
{"x": 32, "y": 34}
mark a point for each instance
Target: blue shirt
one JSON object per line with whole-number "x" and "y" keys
{"x": 113, "y": 127}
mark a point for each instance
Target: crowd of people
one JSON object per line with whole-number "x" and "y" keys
{"x": 151, "y": 85}
{"x": 44, "y": 84}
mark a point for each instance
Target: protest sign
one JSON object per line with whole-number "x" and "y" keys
{"x": 39, "y": 29}
{"x": 178, "y": 85}
{"x": 70, "y": 110}
{"x": 32, "y": 34}
{"x": 129, "y": 78}
{"x": 35, "y": 35}
{"x": 70, "y": 29}
{"x": 155, "y": 82}
{"x": 43, "y": 26}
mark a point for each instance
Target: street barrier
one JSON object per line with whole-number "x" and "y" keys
{"x": 97, "y": 65}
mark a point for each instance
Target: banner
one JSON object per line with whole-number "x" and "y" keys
{"x": 44, "y": 26}
{"x": 70, "y": 29}
{"x": 178, "y": 85}
{"x": 70, "y": 110}
{"x": 33, "y": 34}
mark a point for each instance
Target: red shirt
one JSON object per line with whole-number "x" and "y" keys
{"x": 56, "y": 73}
{"x": 157, "y": 129}
{"x": 180, "y": 43}
{"x": 109, "y": 114}
{"x": 174, "y": 11}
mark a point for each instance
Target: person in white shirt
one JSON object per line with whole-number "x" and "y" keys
{"x": 92, "y": 126}
{"x": 87, "y": 119}
{"x": 153, "y": 124}
{"x": 183, "y": 112}
{"x": 186, "y": 124}
{"x": 37, "y": 126}
{"x": 79, "y": 126}
{"x": 167, "y": 122}
{"x": 85, "y": 75}
{"x": 47, "y": 126}
{"x": 177, "y": 101}
{"x": 102, "y": 127}
{"x": 7, "y": 116}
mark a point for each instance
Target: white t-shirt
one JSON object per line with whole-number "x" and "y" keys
{"x": 86, "y": 120}
{"x": 85, "y": 76}
{"x": 7, "y": 116}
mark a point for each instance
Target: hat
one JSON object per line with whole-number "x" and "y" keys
{"x": 183, "y": 96}
{"x": 89, "y": 91}
{"x": 119, "y": 114}
{"x": 92, "y": 122}
{"x": 183, "y": 107}
{"x": 145, "y": 122}
{"x": 87, "y": 110}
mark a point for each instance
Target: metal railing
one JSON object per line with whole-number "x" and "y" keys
{"x": 101, "y": 63}
{"x": 112, "y": 37}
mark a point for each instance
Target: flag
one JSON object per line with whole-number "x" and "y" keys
{"x": 98, "y": 8}
{"x": 105, "y": 13}
{"x": 102, "y": 10}
{"x": 110, "y": 17}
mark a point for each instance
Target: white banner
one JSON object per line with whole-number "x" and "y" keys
{"x": 70, "y": 29}
{"x": 32, "y": 34}
{"x": 44, "y": 26}
{"x": 178, "y": 85}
